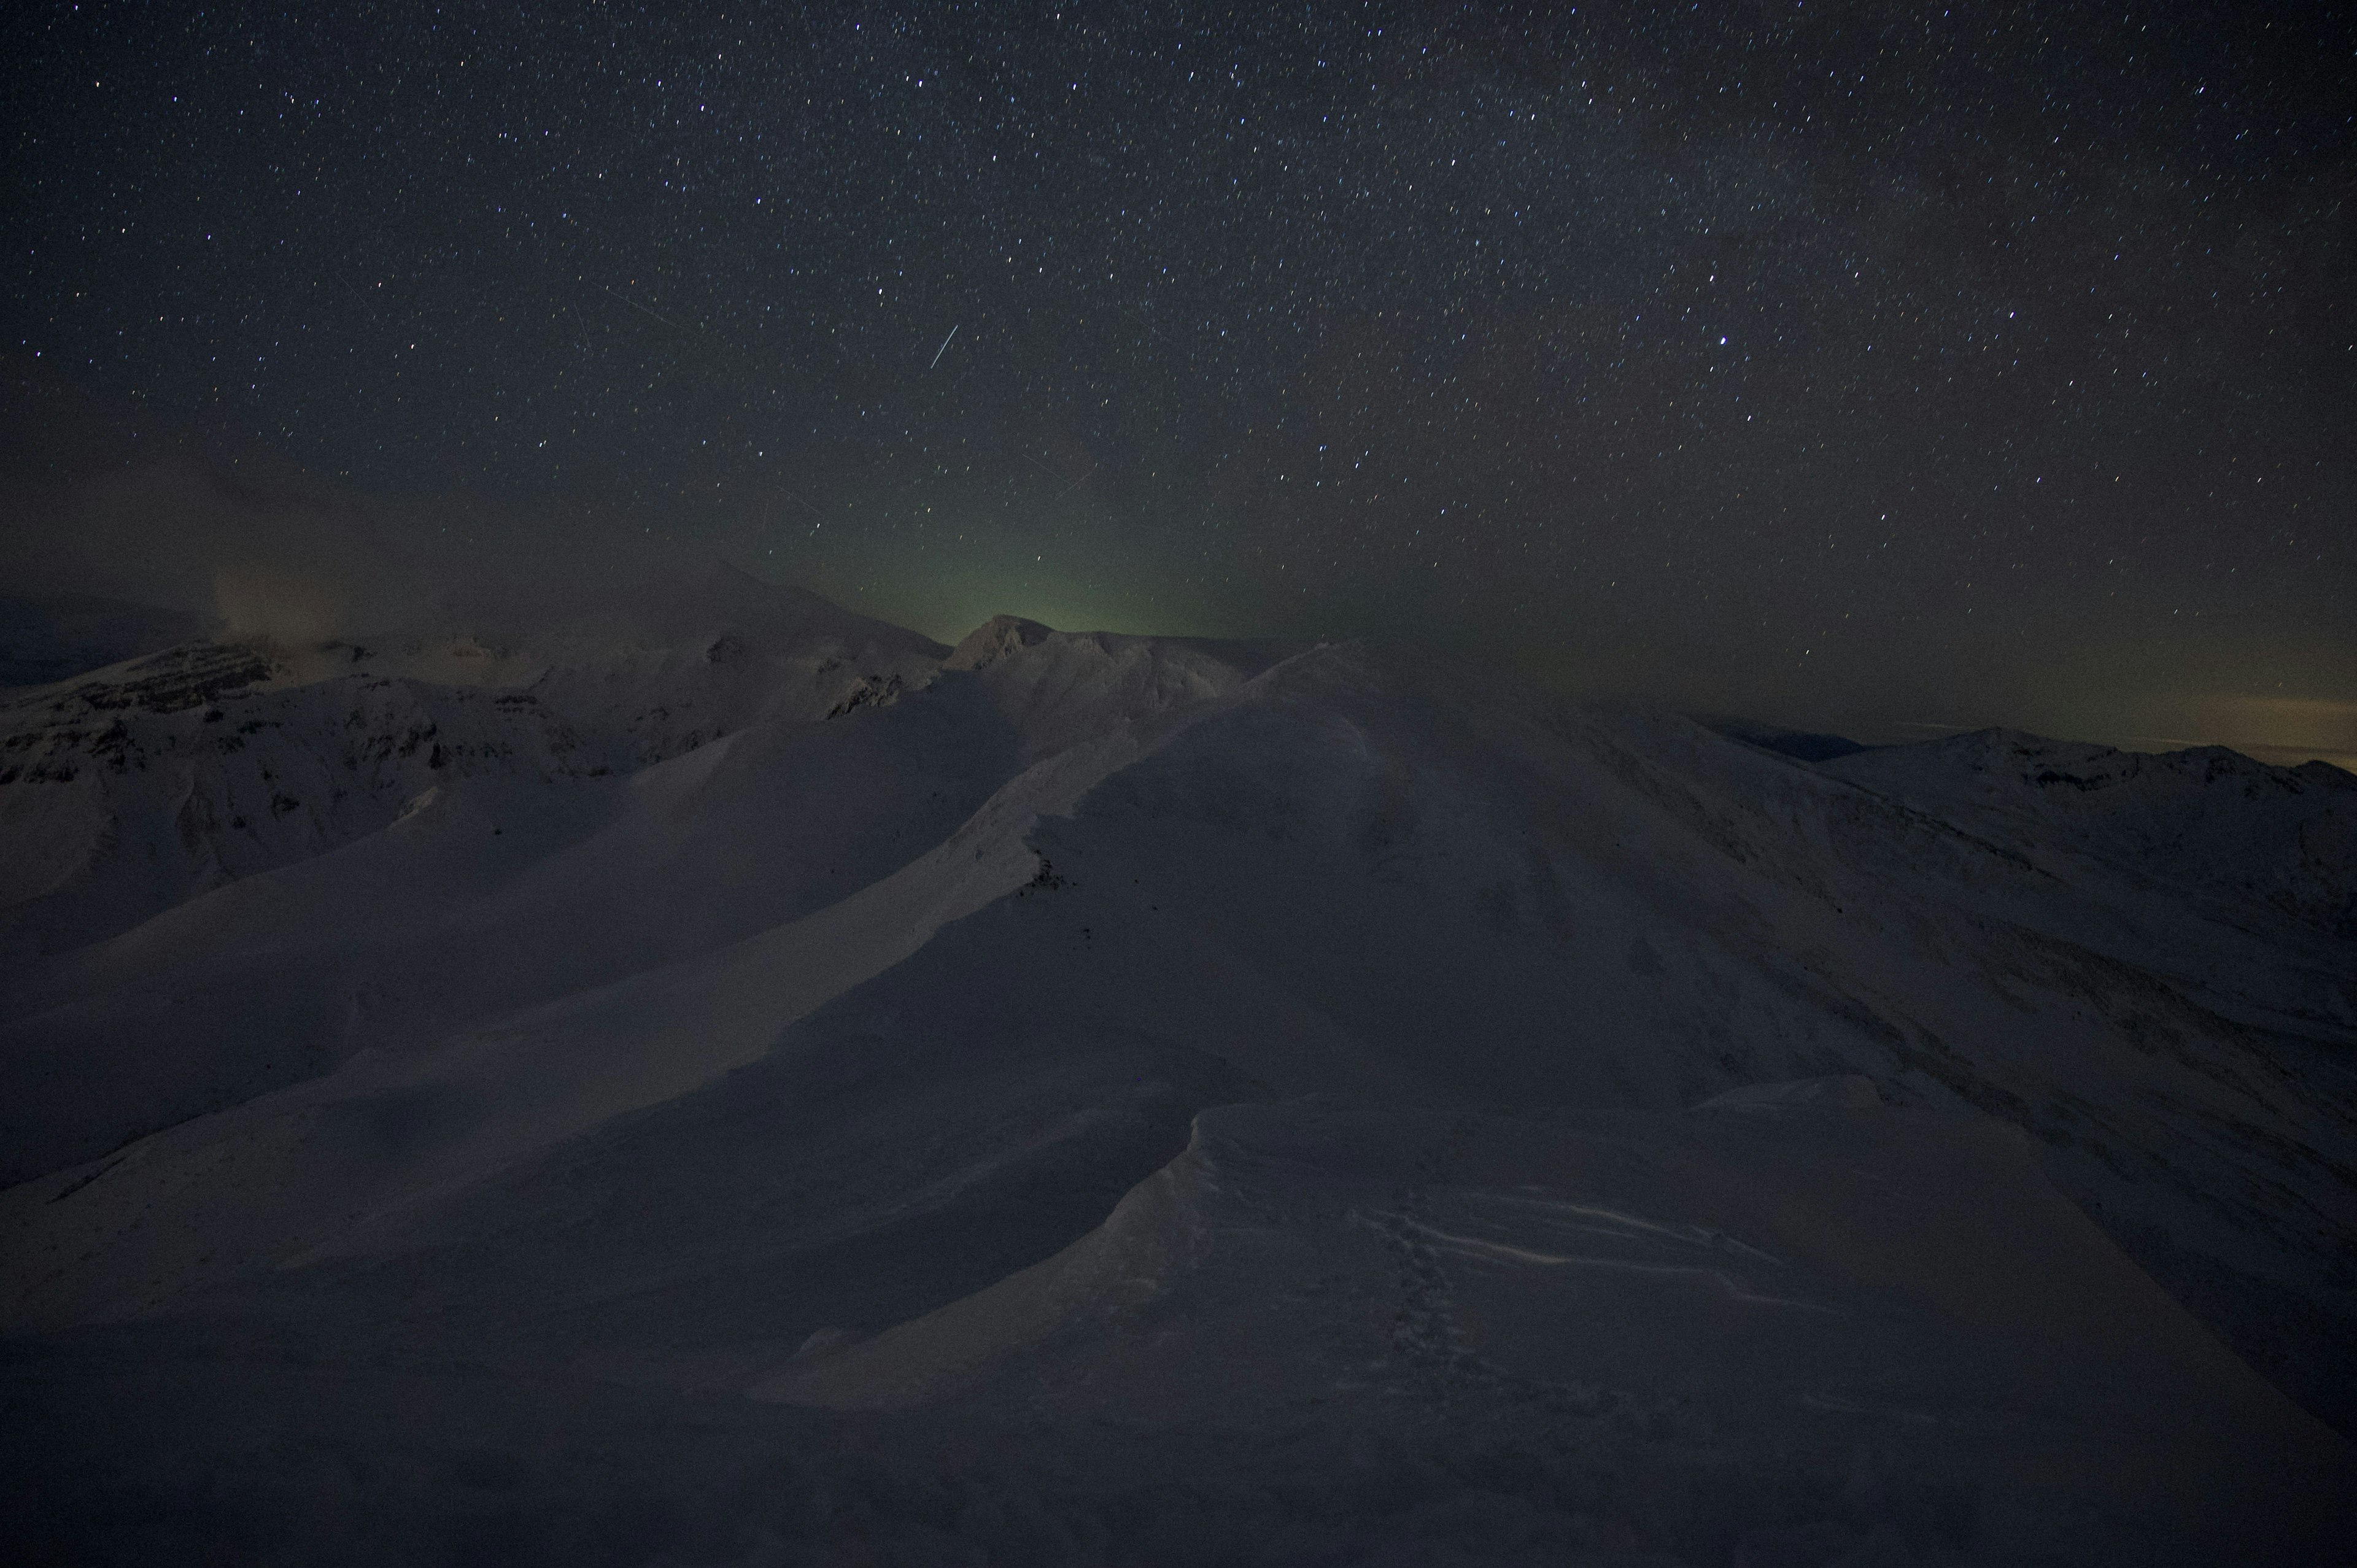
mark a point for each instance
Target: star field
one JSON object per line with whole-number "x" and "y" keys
{"x": 1934, "y": 364}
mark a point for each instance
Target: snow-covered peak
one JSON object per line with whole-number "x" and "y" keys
{"x": 995, "y": 638}
{"x": 1061, "y": 688}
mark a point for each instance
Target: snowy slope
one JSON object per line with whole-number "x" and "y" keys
{"x": 1778, "y": 1286}
{"x": 494, "y": 892}
{"x": 2208, "y": 821}
{"x": 251, "y": 816}
{"x": 812, "y": 1017}
{"x": 126, "y": 791}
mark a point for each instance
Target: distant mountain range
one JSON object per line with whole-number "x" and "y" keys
{"x": 1200, "y": 1079}
{"x": 53, "y": 638}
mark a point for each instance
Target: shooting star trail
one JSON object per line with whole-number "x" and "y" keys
{"x": 945, "y": 348}
{"x": 634, "y": 305}
{"x": 1069, "y": 484}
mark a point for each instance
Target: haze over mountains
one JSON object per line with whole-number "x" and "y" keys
{"x": 715, "y": 1078}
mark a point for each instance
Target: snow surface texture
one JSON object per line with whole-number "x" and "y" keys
{"x": 758, "y": 1086}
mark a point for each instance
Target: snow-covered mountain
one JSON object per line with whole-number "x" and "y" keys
{"x": 2206, "y": 822}
{"x": 132, "y": 789}
{"x": 768, "y": 1011}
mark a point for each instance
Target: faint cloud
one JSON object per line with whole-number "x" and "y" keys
{"x": 291, "y": 610}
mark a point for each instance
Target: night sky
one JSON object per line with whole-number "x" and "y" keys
{"x": 1874, "y": 365}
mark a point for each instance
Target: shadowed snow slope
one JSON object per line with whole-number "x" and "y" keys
{"x": 2205, "y": 823}
{"x": 1781, "y": 1285}
{"x": 752, "y": 980}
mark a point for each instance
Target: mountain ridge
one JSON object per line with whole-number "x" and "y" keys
{"x": 847, "y": 1013}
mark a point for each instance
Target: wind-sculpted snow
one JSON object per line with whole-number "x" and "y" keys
{"x": 1773, "y": 1284}
{"x": 791, "y": 1003}
{"x": 1518, "y": 905}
